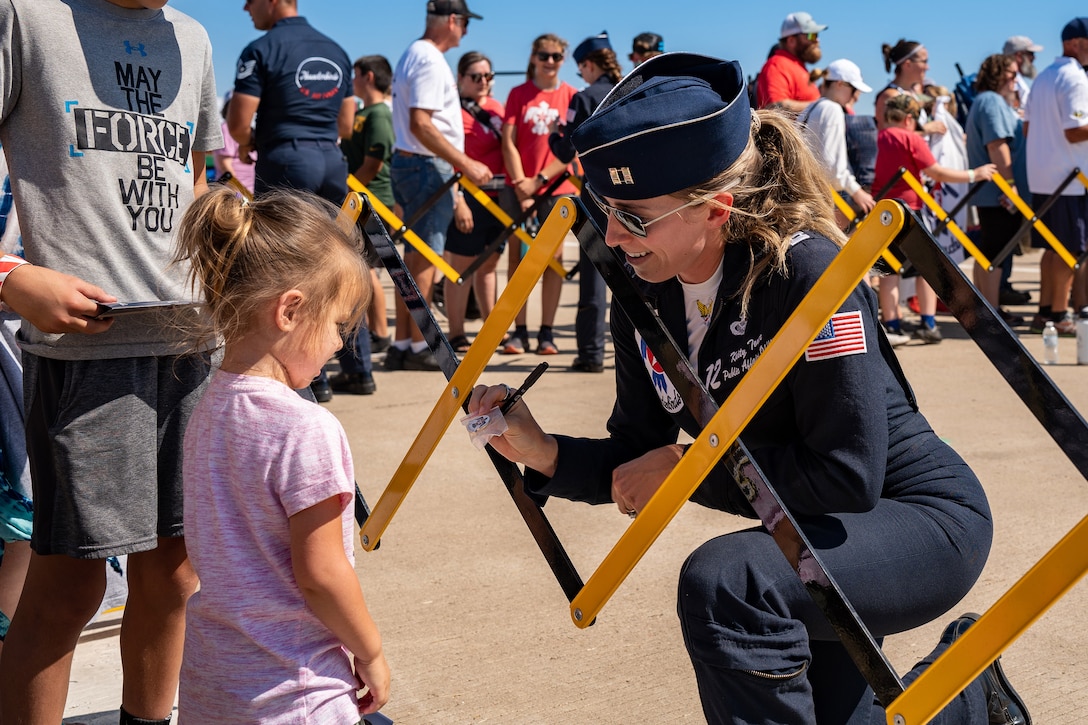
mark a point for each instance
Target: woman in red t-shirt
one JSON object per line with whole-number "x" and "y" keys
{"x": 474, "y": 227}
{"x": 533, "y": 111}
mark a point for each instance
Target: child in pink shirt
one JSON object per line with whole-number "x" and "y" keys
{"x": 268, "y": 477}
{"x": 900, "y": 145}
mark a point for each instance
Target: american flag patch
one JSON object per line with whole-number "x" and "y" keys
{"x": 843, "y": 334}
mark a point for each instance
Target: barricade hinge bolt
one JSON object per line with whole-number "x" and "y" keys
{"x": 578, "y": 615}
{"x": 456, "y": 393}
{"x": 713, "y": 440}
{"x": 366, "y": 540}
{"x": 886, "y": 218}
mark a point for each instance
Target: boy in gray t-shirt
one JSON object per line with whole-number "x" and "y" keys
{"x": 107, "y": 108}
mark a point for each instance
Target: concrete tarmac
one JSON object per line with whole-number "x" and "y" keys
{"x": 477, "y": 630}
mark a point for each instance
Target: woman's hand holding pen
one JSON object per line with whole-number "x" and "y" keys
{"x": 635, "y": 482}
{"x": 524, "y": 441}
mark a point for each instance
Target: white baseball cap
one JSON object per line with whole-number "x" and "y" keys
{"x": 796, "y": 23}
{"x": 848, "y": 72}
{"x": 1021, "y": 43}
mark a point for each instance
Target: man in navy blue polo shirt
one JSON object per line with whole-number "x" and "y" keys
{"x": 300, "y": 82}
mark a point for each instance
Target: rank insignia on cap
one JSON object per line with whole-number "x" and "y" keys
{"x": 621, "y": 175}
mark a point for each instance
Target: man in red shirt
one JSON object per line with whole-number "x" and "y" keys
{"x": 784, "y": 81}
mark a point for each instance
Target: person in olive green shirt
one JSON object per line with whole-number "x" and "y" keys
{"x": 368, "y": 153}
{"x": 370, "y": 147}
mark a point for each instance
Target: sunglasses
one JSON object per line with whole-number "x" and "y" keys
{"x": 810, "y": 36}
{"x": 545, "y": 57}
{"x": 477, "y": 77}
{"x": 632, "y": 222}
{"x": 464, "y": 20}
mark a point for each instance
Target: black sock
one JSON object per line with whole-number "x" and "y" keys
{"x": 545, "y": 333}
{"x": 1057, "y": 316}
{"x": 1045, "y": 310}
{"x": 127, "y": 719}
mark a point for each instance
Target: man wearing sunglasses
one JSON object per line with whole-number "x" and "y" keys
{"x": 784, "y": 81}
{"x": 430, "y": 145}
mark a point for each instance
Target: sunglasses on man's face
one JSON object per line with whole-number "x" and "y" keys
{"x": 545, "y": 57}
{"x": 810, "y": 36}
{"x": 464, "y": 21}
{"x": 477, "y": 77}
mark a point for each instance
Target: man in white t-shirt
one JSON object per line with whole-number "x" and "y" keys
{"x": 1056, "y": 126}
{"x": 430, "y": 145}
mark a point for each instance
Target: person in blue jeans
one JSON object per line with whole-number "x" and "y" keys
{"x": 430, "y": 144}
{"x": 725, "y": 245}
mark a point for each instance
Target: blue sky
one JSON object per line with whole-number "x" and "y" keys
{"x": 963, "y": 31}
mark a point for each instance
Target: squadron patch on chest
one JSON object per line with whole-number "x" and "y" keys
{"x": 670, "y": 397}
{"x": 844, "y": 334}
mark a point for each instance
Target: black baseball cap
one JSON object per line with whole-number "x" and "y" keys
{"x": 451, "y": 7}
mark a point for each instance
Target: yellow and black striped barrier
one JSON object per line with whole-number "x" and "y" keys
{"x": 848, "y": 212}
{"x": 943, "y": 217}
{"x": 460, "y": 385}
{"x": 1036, "y": 222}
{"x": 503, "y": 218}
{"x": 410, "y": 236}
{"x": 1027, "y": 601}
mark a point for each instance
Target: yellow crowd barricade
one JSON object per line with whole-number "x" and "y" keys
{"x": 513, "y": 298}
{"x": 1027, "y": 600}
{"x": 350, "y": 211}
{"x": 848, "y": 212}
{"x": 942, "y": 216}
{"x": 496, "y": 211}
{"x": 841, "y": 277}
{"x": 411, "y": 237}
{"x": 1030, "y": 215}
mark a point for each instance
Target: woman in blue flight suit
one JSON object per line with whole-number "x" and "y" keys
{"x": 723, "y": 217}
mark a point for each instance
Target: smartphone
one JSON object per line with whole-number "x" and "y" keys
{"x": 118, "y": 309}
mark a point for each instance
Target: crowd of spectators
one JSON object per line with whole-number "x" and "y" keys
{"x": 916, "y": 125}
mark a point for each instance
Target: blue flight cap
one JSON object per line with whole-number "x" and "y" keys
{"x": 587, "y": 46}
{"x": 676, "y": 121}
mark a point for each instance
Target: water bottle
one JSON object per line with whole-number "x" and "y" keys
{"x": 1082, "y": 337}
{"x": 1050, "y": 344}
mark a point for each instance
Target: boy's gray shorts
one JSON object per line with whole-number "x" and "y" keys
{"x": 104, "y": 438}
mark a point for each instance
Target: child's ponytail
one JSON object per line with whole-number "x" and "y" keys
{"x": 241, "y": 255}
{"x": 211, "y": 236}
